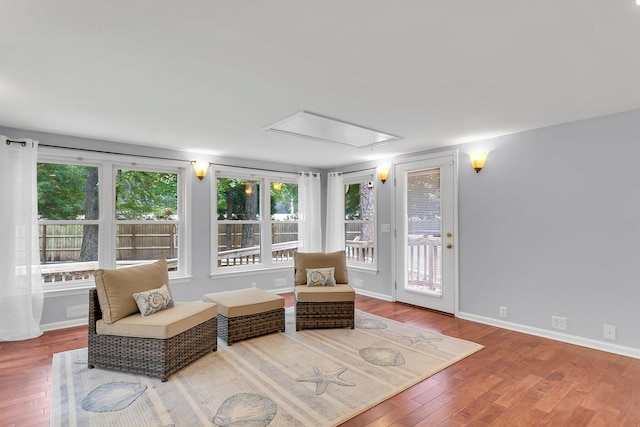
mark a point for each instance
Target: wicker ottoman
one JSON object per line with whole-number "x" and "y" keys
{"x": 247, "y": 313}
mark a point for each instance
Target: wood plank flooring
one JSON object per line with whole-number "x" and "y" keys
{"x": 516, "y": 380}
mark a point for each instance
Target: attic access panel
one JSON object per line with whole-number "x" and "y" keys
{"x": 313, "y": 126}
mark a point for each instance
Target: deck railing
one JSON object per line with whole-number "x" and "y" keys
{"x": 358, "y": 251}
{"x": 280, "y": 252}
{"x": 424, "y": 256}
{"x": 423, "y": 260}
{"x": 70, "y": 271}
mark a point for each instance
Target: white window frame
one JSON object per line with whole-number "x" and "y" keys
{"x": 107, "y": 165}
{"x": 359, "y": 177}
{"x": 265, "y": 178}
{"x": 284, "y": 180}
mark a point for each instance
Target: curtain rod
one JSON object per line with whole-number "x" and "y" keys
{"x": 156, "y": 157}
{"x": 12, "y": 141}
{"x": 260, "y": 169}
{"x": 112, "y": 152}
{"x": 358, "y": 170}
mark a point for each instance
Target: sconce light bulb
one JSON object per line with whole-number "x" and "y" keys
{"x": 477, "y": 160}
{"x": 200, "y": 169}
{"x": 383, "y": 173}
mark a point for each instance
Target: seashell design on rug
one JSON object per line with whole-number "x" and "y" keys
{"x": 112, "y": 396}
{"x": 246, "y": 409}
{"x": 382, "y": 356}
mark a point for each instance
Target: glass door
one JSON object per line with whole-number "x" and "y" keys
{"x": 425, "y": 231}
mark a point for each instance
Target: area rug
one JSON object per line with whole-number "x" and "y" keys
{"x": 318, "y": 377}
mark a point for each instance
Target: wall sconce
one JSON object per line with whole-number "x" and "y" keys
{"x": 200, "y": 168}
{"x": 477, "y": 160}
{"x": 277, "y": 186}
{"x": 383, "y": 173}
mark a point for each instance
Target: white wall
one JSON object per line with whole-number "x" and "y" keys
{"x": 550, "y": 226}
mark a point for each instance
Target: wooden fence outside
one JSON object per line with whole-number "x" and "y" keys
{"x": 63, "y": 243}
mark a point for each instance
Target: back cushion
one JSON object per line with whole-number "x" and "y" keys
{"x": 116, "y": 287}
{"x": 304, "y": 260}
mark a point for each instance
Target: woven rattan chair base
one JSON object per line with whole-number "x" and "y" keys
{"x": 154, "y": 357}
{"x": 325, "y": 315}
{"x": 232, "y": 329}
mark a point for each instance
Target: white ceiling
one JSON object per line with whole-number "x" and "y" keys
{"x": 209, "y": 75}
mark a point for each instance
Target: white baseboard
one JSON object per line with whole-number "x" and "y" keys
{"x": 373, "y": 294}
{"x": 80, "y": 321}
{"x": 558, "y": 336}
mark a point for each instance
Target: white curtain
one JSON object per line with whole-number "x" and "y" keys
{"x": 21, "y": 296}
{"x": 335, "y": 213}
{"x": 309, "y": 212}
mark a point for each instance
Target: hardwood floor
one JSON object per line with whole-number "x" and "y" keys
{"x": 516, "y": 380}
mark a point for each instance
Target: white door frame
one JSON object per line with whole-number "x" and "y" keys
{"x": 394, "y": 238}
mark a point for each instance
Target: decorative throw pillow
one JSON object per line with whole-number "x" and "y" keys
{"x": 116, "y": 287}
{"x": 154, "y": 300}
{"x": 320, "y": 277}
{"x": 304, "y": 260}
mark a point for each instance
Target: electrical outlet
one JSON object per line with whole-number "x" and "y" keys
{"x": 503, "y": 311}
{"x": 559, "y": 323}
{"x": 609, "y": 332}
{"x": 253, "y": 284}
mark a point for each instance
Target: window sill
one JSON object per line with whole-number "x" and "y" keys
{"x": 373, "y": 269}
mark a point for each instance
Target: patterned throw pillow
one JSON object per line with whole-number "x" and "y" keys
{"x": 320, "y": 277}
{"x": 154, "y": 300}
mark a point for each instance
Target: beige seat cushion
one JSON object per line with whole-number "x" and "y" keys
{"x": 244, "y": 302}
{"x": 338, "y": 293}
{"x": 116, "y": 287}
{"x": 163, "y": 324}
{"x": 304, "y": 260}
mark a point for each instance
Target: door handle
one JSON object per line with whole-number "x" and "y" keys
{"x": 449, "y": 245}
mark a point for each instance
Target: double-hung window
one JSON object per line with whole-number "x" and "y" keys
{"x": 108, "y": 211}
{"x": 256, "y": 222}
{"x": 147, "y": 217}
{"x": 360, "y": 219}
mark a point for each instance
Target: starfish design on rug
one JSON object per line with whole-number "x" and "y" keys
{"x": 323, "y": 379}
{"x": 421, "y": 339}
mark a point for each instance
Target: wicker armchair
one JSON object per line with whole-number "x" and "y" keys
{"x": 158, "y": 344}
{"x": 323, "y": 306}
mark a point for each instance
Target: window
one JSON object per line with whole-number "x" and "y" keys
{"x": 246, "y": 237}
{"x": 284, "y": 220}
{"x": 360, "y": 219}
{"x": 147, "y": 220}
{"x": 69, "y": 220}
{"x": 239, "y": 225}
{"x": 99, "y": 212}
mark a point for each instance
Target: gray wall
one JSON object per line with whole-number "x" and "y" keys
{"x": 550, "y": 226}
